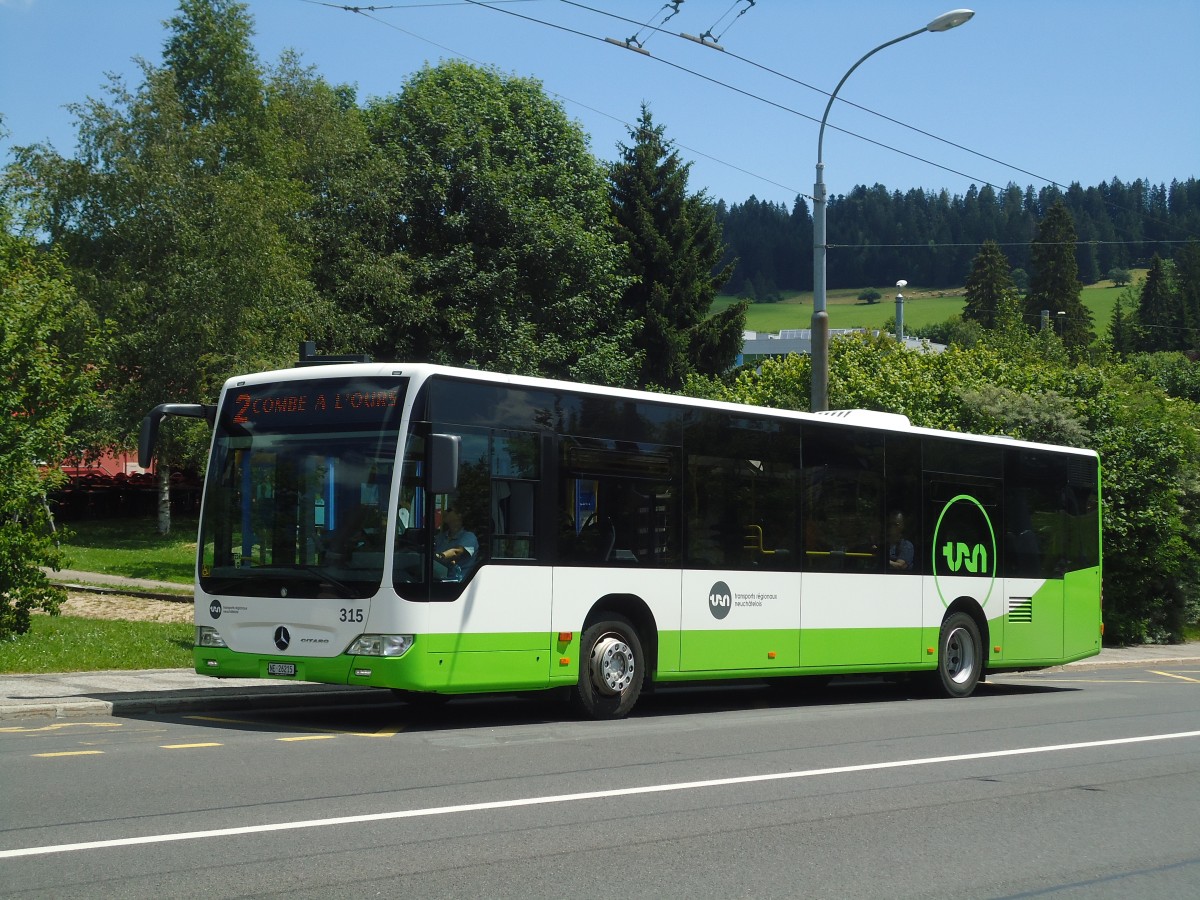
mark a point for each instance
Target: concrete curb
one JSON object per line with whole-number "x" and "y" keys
{"x": 218, "y": 700}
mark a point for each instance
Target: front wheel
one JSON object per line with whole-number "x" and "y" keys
{"x": 960, "y": 656}
{"x": 612, "y": 668}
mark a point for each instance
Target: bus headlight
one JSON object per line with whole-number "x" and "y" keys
{"x": 208, "y": 637}
{"x": 380, "y": 645}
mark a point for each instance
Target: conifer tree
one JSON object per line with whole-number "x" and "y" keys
{"x": 1122, "y": 330}
{"x": 675, "y": 246}
{"x": 1187, "y": 283}
{"x": 1160, "y": 311}
{"x": 989, "y": 285}
{"x": 1054, "y": 279}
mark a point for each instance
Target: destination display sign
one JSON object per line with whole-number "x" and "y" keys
{"x": 292, "y": 405}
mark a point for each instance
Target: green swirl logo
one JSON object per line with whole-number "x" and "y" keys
{"x": 957, "y": 548}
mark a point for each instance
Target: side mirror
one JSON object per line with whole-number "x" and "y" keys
{"x": 443, "y": 463}
{"x": 148, "y": 436}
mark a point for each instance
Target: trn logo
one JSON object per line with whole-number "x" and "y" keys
{"x": 959, "y": 555}
{"x": 720, "y": 599}
{"x": 963, "y": 545}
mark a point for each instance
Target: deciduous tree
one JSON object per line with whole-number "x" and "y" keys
{"x": 180, "y": 214}
{"x": 496, "y": 230}
{"x": 46, "y": 346}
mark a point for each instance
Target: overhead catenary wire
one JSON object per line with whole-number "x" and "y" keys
{"x": 771, "y": 71}
{"x": 716, "y": 38}
{"x": 494, "y": 6}
{"x": 365, "y": 13}
{"x": 635, "y": 40}
{"x": 745, "y": 93}
{"x": 707, "y": 40}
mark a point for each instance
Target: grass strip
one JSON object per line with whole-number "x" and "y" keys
{"x": 133, "y": 548}
{"x": 73, "y": 644}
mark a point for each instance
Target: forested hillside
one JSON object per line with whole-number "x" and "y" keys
{"x": 929, "y": 238}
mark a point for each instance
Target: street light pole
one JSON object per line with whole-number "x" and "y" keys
{"x": 819, "y": 391}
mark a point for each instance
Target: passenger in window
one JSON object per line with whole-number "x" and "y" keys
{"x": 455, "y": 548}
{"x": 900, "y": 549}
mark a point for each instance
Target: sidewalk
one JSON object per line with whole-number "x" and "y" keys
{"x": 99, "y": 583}
{"x": 182, "y": 690}
{"x": 132, "y": 693}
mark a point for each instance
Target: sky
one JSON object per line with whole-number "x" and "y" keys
{"x": 1028, "y": 91}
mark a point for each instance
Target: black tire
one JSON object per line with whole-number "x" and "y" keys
{"x": 612, "y": 668}
{"x": 960, "y": 656}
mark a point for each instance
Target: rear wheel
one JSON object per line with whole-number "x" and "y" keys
{"x": 612, "y": 668}
{"x": 960, "y": 656}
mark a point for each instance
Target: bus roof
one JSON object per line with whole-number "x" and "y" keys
{"x": 419, "y": 372}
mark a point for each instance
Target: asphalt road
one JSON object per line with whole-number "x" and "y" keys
{"x": 1060, "y": 784}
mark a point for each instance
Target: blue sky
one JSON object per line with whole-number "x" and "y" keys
{"x": 1051, "y": 90}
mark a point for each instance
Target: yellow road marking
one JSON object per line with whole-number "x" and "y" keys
{"x": 187, "y": 746}
{"x": 309, "y": 737}
{"x": 327, "y": 732}
{"x": 1172, "y": 675}
{"x": 17, "y": 729}
{"x": 70, "y": 753}
{"x": 388, "y": 732}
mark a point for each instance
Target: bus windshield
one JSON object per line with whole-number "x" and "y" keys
{"x": 297, "y": 491}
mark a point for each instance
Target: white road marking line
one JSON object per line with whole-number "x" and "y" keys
{"x": 588, "y": 795}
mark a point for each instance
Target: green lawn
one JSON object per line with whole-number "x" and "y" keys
{"x": 133, "y": 548}
{"x": 921, "y": 307}
{"x": 130, "y": 547}
{"x": 71, "y": 644}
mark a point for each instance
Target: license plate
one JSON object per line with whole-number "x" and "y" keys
{"x": 281, "y": 668}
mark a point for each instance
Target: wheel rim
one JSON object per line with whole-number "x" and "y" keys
{"x": 613, "y": 665}
{"x": 959, "y": 658}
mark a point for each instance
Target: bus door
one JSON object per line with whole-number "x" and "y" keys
{"x": 859, "y": 608}
{"x": 740, "y": 606}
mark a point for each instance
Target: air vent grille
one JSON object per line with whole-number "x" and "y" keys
{"x": 1020, "y": 609}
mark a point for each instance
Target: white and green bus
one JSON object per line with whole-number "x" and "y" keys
{"x": 621, "y": 539}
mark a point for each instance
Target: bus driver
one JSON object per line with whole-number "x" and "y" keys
{"x": 454, "y": 547}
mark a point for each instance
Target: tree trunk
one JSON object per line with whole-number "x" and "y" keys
{"x": 164, "y": 499}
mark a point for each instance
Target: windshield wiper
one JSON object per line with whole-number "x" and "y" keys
{"x": 321, "y": 576}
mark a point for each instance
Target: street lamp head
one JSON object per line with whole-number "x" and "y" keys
{"x": 949, "y": 20}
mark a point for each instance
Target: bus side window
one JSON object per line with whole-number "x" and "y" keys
{"x": 843, "y": 500}
{"x": 741, "y": 495}
{"x": 515, "y": 470}
{"x": 620, "y": 503}
{"x": 904, "y": 500}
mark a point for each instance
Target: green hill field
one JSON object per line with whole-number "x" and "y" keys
{"x": 921, "y": 307}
